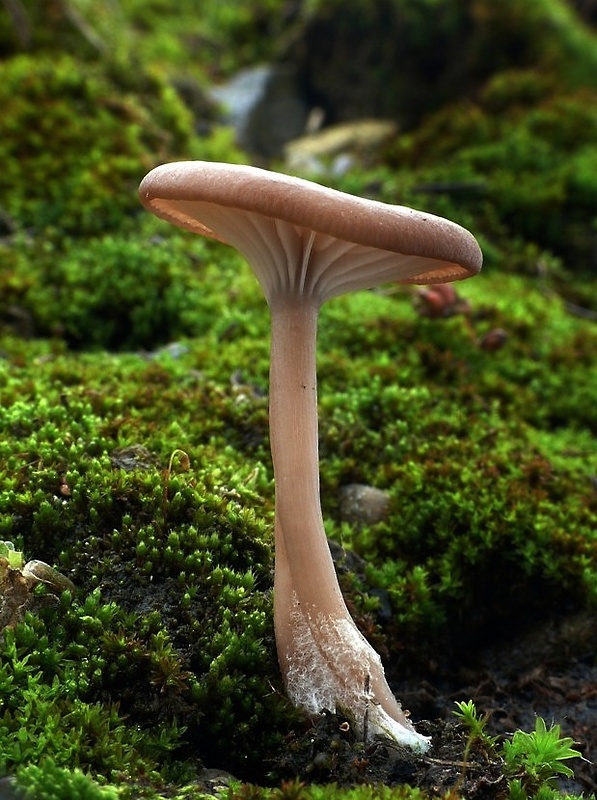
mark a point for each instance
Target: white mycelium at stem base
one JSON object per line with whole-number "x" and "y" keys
{"x": 307, "y": 244}
{"x": 326, "y": 661}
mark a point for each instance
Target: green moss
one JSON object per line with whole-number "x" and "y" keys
{"x": 67, "y": 784}
{"x": 46, "y": 713}
{"x": 468, "y": 444}
{"x": 171, "y": 624}
{"x": 518, "y": 165}
{"x": 298, "y": 791}
{"x": 75, "y": 142}
{"x": 234, "y": 34}
{"x": 110, "y": 292}
{"x": 121, "y": 291}
{"x": 89, "y": 30}
{"x": 183, "y": 559}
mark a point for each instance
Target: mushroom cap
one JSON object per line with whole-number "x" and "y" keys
{"x": 248, "y": 207}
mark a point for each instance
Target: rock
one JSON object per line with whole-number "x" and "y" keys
{"x": 8, "y": 789}
{"x": 215, "y": 781}
{"x": 133, "y": 456}
{"x": 265, "y": 106}
{"x": 333, "y": 150}
{"x": 493, "y": 340}
{"x": 363, "y": 505}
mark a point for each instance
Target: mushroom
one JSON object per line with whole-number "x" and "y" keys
{"x": 307, "y": 244}
{"x": 440, "y": 301}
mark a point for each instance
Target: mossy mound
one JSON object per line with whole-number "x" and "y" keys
{"x": 521, "y": 161}
{"x": 118, "y": 291}
{"x": 74, "y": 141}
{"x": 148, "y": 481}
{"x": 420, "y": 55}
{"x": 181, "y": 617}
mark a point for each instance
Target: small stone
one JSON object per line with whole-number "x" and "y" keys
{"x": 39, "y": 572}
{"x": 333, "y": 149}
{"x": 363, "y": 505}
{"x": 265, "y": 106}
{"x": 133, "y": 456}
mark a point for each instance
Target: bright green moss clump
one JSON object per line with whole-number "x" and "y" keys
{"x": 177, "y": 636}
{"x": 74, "y": 141}
{"x": 519, "y": 163}
{"x": 109, "y": 291}
{"x": 67, "y": 784}
{"x": 149, "y": 484}
{"x": 120, "y": 291}
{"x": 466, "y": 442}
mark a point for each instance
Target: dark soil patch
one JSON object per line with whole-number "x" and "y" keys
{"x": 550, "y": 672}
{"x": 327, "y": 752}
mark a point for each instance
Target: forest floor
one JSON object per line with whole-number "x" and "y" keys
{"x": 548, "y": 672}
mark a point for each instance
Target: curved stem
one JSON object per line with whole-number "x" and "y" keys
{"x": 295, "y": 453}
{"x": 325, "y": 660}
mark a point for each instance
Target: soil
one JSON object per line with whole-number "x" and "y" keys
{"x": 549, "y": 672}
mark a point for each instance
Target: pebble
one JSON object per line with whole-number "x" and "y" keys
{"x": 363, "y": 505}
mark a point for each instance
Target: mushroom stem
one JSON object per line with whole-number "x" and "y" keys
{"x": 325, "y": 661}
{"x": 300, "y": 534}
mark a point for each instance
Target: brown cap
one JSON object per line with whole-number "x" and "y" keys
{"x": 246, "y": 207}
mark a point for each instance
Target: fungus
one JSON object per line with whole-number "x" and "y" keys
{"x": 440, "y": 301}
{"x": 307, "y": 244}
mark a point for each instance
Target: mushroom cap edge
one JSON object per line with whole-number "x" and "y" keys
{"x": 308, "y": 205}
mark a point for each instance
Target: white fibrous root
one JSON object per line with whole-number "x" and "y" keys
{"x": 333, "y": 667}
